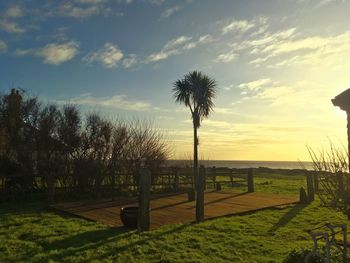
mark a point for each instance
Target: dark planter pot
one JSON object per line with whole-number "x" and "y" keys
{"x": 191, "y": 194}
{"x": 128, "y": 215}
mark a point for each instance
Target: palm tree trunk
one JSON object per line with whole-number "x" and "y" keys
{"x": 195, "y": 156}
{"x": 199, "y": 188}
{"x": 348, "y": 131}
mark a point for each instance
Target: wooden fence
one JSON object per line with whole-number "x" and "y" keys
{"x": 171, "y": 179}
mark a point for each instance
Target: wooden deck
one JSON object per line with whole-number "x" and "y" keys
{"x": 170, "y": 209}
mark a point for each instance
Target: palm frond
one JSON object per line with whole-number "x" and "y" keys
{"x": 197, "y": 91}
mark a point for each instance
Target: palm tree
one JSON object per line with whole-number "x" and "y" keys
{"x": 197, "y": 91}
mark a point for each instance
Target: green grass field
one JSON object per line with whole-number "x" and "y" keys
{"x": 30, "y": 233}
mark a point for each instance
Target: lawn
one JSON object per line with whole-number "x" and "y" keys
{"x": 30, "y": 233}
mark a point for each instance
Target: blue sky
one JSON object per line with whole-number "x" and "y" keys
{"x": 277, "y": 63}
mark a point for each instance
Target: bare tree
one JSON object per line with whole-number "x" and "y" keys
{"x": 331, "y": 167}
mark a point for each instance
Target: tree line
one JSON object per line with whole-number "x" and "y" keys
{"x": 66, "y": 149}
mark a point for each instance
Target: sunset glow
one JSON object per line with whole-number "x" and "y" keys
{"x": 278, "y": 64}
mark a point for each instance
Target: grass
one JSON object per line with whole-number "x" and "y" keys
{"x": 30, "y": 233}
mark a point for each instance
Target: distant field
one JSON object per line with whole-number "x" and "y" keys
{"x": 272, "y": 183}
{"x": 29, "y": 233}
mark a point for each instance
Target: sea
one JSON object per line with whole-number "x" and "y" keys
{"x": 247, "y": 164}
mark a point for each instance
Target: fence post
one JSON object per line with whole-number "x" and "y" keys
{"x": 310, "y": 188}
{"x": 315, "y": 177}
{"x": 143, "y": 222}
{"x": 231, "y": 177}
{"x": 250, "y": 180}
{"x": 214, "y": 177}
{"x": 51, "y": 187}
{"x": 340, "y": 184}
{"x": 200, "y": 195}
{"x": 176, "y": 179}
{"x": 303, "y": 196}
{"x": 192, "y": 180}
{"x": 113, "y": 185}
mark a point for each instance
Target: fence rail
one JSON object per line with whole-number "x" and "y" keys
{"x": 164, "y": 179}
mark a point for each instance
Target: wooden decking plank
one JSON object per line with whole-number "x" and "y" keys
{"x": 175, "y": 208}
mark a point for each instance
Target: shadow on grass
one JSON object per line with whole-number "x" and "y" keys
{"x": 286, "y": 218}
{"x": 170, "y": 205}
{"x": 86, "y": 238}
{"x": 95, "y": 240}
{"x": 234, "y": 195}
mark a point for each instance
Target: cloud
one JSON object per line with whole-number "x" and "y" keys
{"x": 321, "y": 3}
{"x": 226, "y": 57}
{"x": 108, "y": 56}
{"x": 221, "y": 110}
{"x": 23, "y": 52}
{"x": 256, "y": 84}
{"x": 68, "y": 9}
{"x": 53, "y": 53}
{"x": 129, "y": 61}
{"x": 14, "y": 12}
{"x": 56, "y": 54}
{"x": 242, "y": 26}
{"x": 237, "y": 26}
{"x": 3, "y": 46}
{"x": 154, "y": 2}
{"x": 177, "y": 46}
{"x": 11, "y": 27}
{"x": 259, "y": 45}
{"x": 90, "y": 2}
{"x": 291, "y": 97}
{"x": 176, "y": 42}
{"x": 287, "y": 49}
{"x": 265, "y": 88}
{"x": 170, "y": 11}
{"x": 120, "y": 102}
{"x": 80, "y": 9}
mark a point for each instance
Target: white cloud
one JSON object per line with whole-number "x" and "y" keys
{"x": 242, "y": 26}
{"x": 120, "y": 102}
{"x": 11, "y": 27}
{"x": 226, "y": 57}
{"x": 129, "y": 61}
{"x": 205, "y": 39}
{"x": 125, "y": 1}
{"x": 221, "y": 110}
{"x": 108, "y": 56}
{"x": 177, "y": 46}
{"x": 170, "y": 11}
{"x": 256, "y": 84}
{"x": 237, "y": 26}
{"x": 229, "y": 87}
{"x": 176, "y": 42}
{"x": 14, "y": 12}
{"x": 280, "y": 94}
{"x": 53, "y": 53}
{"x": 23, "y": 52}
{"x": 320, "y": 3}
{"x": 154, "y": 2}
{"x": 287, "y": 49}
{"x": 90, "y": 2}
{"x": 3, "y": 46}
{"x": 69, "y": 9}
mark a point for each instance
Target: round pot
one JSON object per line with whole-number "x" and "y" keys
{"x": 128, "y": 215}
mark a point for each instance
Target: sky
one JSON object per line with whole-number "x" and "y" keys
{"x": 278, "y": 64}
